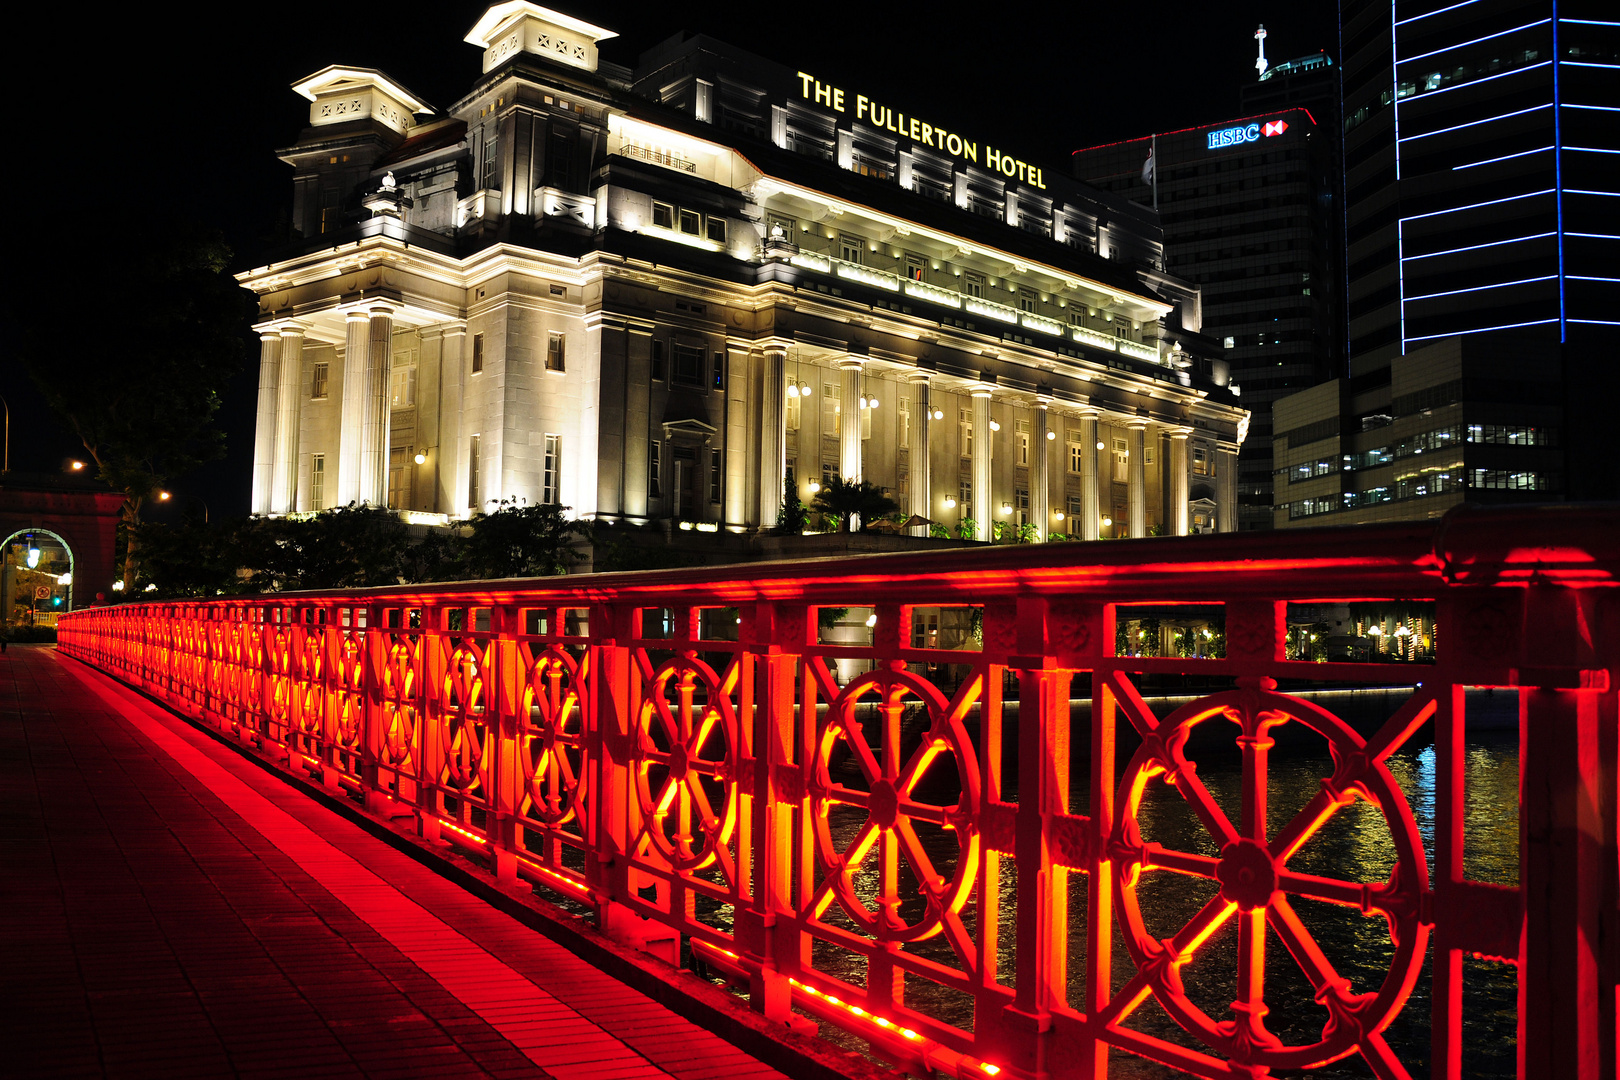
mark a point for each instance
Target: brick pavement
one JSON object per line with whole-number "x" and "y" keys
{"x": 168, "y": 908}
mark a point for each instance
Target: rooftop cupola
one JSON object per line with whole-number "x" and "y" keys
{"x": 340, "y": 94}
{"x": 519, "y": 26}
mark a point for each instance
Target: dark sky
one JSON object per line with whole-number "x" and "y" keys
{"x": 177, "y": 118}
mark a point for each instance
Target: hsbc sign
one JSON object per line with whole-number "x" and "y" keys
{"x": 1221, "y": 138}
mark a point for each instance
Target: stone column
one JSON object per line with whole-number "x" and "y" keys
{"x": 1178, "y": 481}
{"x": 374, "y": 410}
{"x": 357, "y": 344}
{"x": 1137, "y": 489}
{"x": 849, "y": 420}
{"x": 921, "y": 478}
{"x": 264, "y": 428}
{"x": 981, "y": 462}
{"x": 1040, "y": 455}
{"x": 284, "y": 476}
{"x": 1226, "y": 510}
{"x": 772, "y": 436}
{"x": 1090, "y": 447}
{"x": 449, "y": 457}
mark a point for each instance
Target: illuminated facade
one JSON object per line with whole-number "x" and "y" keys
{"x": 653, "y": 295}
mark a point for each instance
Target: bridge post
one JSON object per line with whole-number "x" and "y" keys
{"x": 506, "y": 695}
{"x": 1566, "y": 839}
{"x": 778, "y": 789}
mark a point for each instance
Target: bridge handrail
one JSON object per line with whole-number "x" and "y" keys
{"x": 722, "y": 780}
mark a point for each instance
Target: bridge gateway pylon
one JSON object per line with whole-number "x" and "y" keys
{"x": 833, "y": 825}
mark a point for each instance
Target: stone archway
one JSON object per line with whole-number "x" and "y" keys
{"x": 82, "y": 518}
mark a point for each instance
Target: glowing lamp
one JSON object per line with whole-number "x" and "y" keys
{"x": 33, "y": 557}
{"x": 793, "y": 389}
{"x": 939, "y": 414}
{"x": 163, "y": 496}
{"x": 420, "y": 459}
{"x": 950, "y": 503}
{"x": 804, "y": 389}
{"x": 1006, "y": 508}
{"x": 994, "y": 426}
{"x": 1050, "y": 435}
{"x": 152, "y": 587}
{"x": 871, "y": 620}
{"x": 1107, "y": 521}
{"x": 118, "y": 586}
{"x": 1100, "y": 444}
{"x": 1057, "y": 514}
{"x": 65, "y": 579}
{"x": 76, "y": 465}
{"x": 815, "y": 486}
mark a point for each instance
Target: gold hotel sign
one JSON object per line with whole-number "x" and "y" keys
{"x": 881, "y": 116}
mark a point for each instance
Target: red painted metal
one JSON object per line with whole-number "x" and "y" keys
{"x": 763, "y": 798}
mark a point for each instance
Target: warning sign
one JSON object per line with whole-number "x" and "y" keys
{"x": 42, "y": 592}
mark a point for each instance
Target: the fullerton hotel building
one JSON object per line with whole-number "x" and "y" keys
{"x": 653, "y": 295}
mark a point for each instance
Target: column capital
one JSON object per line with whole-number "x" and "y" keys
{"x": 1179, "y": 432}
{"x": 356, "y": 314}
{"x": 1136, "y": 423}
{"x": 983, "y": 390}
{"x": 916, "y": 376}
{"x": 382, "y": 310}
{"x": 851, "y": 363}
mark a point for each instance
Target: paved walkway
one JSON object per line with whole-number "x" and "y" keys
{"x": 169, "y": 909}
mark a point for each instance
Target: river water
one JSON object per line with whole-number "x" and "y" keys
{"x": 1355, "y": 845}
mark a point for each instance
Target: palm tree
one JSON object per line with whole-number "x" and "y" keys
{"x": 839, "y": 498}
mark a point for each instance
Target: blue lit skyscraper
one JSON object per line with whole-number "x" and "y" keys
{"x": 1482, "y": 189}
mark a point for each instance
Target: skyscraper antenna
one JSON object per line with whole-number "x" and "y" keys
{"x": 1261, "y": 64}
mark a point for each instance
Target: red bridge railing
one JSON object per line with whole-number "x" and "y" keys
{"x": 690, "y": 756}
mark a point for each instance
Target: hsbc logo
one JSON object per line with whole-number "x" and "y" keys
{"x": 1245, "y": 133}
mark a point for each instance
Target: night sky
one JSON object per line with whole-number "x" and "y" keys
{"x": 178, "y": 119}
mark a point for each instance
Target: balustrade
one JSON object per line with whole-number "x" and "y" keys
{"x": 880, "y": 834}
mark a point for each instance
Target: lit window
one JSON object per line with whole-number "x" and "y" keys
{"x": 849, "y": 248}
{"x": 964, "y": 431}
{"x": 402, "y": 387}
{"x": 1122, "y": 460}
{"x": 555, "y": 352}
{"x": 472, "y": 474}
{"x": 317, "y": 481}
{"x": 973, "y": 284}
{"x": 916, "y": 266}
{"x": 319, "y": 375}
{"x": 551, "y": 475}
{"x": 478, "y": 353}
{"x": 1021, "y": 441}
{"x": 1026, "y": 300}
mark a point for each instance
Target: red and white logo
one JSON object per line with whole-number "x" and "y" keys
{"x": 1276, "y": 127}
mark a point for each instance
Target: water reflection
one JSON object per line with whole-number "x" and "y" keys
{"x": 1355, "y": 845}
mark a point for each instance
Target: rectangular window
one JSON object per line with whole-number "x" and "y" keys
{"x": 402, "y": 387}
{"x": 691, "y": 222}
{"x": 317, "y": 481}
{"x": 829, "y": 473}
{"x": 849, "y": 248}
{"x": 719, "y": 371}
{"x": 904, "y": 406}
{"x": 793, "y": 412}
{"x": 1147, "y": 451}
{"x": 663, "y": 215}
{"x": 1077, "y": 510}
{"x": 866, "y": 422}
{"x": 401, "y": 478}
{"x": 488, "y": 174}
{"x": 964, "y": 501}
{"x": 551, "y": 474}
{"x": 1021, "y": 505}
{"x": 964, "y": 431}
{"x": 478, "y": 353}
{"x": 688, "y": 364}
{"x": 716, "y": 471}
{"x": 555, "y": 356}
{"x": 1021, "y": 441}
{"x": 716, "y": 229}
{"x": 1200, "y": 461}
{"x": 659, "y": 371}
{"x": 319, "y": 375}
{"x": 787, "y": 225}
{"x": 1122, "y": 461}
{"x": 973, "y": 284}
{"x": 1077, "y": 452}
{"x": 472, "y": 475}
{"x": 916, "y": 266}
{"x": 830, "y": 412}
{"x": 655, "y": 469}
{"x": 1026, "y": 300}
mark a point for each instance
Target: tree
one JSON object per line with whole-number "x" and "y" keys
{"x": 792, "y": 518}
{"x": 140, "y": 389}
{"x": 840, "y": 498}
{"x": 520, "y": 541}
